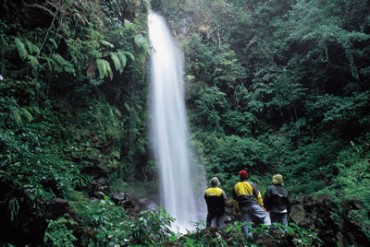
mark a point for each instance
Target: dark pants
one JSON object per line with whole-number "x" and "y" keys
{"x": 215, "y": 220}
{"x": 253, "y": 214}
{"x": 279, "y": 218}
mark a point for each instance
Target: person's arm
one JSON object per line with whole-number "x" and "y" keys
{"x": 266, "y": 199}
{"x": 257, "y": 194}
{"x": 224, "y": 197}
{"x": 259, "y": 199}
{"x": 234, "y": 194}
{"x": 234, "y": 202}
{"x": 288, "y": 204}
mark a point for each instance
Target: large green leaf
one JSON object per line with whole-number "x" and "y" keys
{"x": 22, "y": 51}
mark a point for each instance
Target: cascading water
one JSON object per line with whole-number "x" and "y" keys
{"x": 180, "y": 179}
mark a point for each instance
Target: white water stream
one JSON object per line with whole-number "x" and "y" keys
{"x": 181, "y": 180}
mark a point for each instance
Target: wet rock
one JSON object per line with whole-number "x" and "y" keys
{"x": 298, "y": 214}
{"x": 123, "y": 199}
{"x": 58, "y": 207}
{"x": 51, "y": 184}
{"x": 96, "y": 171}
{"x": 118, "y": 197}
{"x": 99, "y": 188}
{"x": 148, "y": 203}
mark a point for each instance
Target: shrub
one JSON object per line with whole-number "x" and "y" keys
{"x": 58, "y": 233}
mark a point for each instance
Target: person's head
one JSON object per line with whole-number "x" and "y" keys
{"x": 277, "y": 179}
{"x": 215, "y": 182}
{"x": 243, "y": 174}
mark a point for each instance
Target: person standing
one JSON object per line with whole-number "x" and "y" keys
{"x": 277, "y": 201}
{"x": 215, "y": 198}
{"x": 250, "y": 203}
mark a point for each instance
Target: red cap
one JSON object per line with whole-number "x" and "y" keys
{"x": 243, "y": 174}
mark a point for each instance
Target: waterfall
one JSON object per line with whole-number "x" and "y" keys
{"x": 181, "y": 179}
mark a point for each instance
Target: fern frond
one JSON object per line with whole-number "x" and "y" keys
{"x": 108, "y": 44}
{"x": 80, "y": 18}
{"x": 130, "y": 55}
{"x": 22, "y": 51}
{"x": 48, "y": 63}
{"x": 104, "y": 68}
{"x": 122, "y": 58}
{"x": 101, "y": 67}
{"x": 127, "y": 107}
{"x": 32, "y": 49}
{"x": 62, "y": 63}
{"x": 27, "y": 114}
{"x": 53, "y": 42}
{"x": 116, "y": 62}
{"x": 109, "y": 71}
{"x": 16, "y": 115}
{"x": 36, "y": 109}
{"x": 33, "y": 61}
{"x": 13, "y": 207}
{"x": 58, "y": 59}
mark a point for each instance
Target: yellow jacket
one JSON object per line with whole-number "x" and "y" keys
{"x": 216, "y": 200}
{"x": 246, "y": 193}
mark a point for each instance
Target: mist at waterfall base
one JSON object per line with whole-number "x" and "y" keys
{"x": 182, "y": 179}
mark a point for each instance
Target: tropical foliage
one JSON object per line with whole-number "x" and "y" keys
{"x": 271, "y": 86}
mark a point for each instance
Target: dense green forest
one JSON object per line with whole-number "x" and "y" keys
{"x": 278, "y": 86}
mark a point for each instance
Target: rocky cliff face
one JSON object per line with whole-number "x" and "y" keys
{"x": 335, "y": 222}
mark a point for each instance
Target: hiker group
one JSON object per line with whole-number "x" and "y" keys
{"x": 274, "y": 207}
